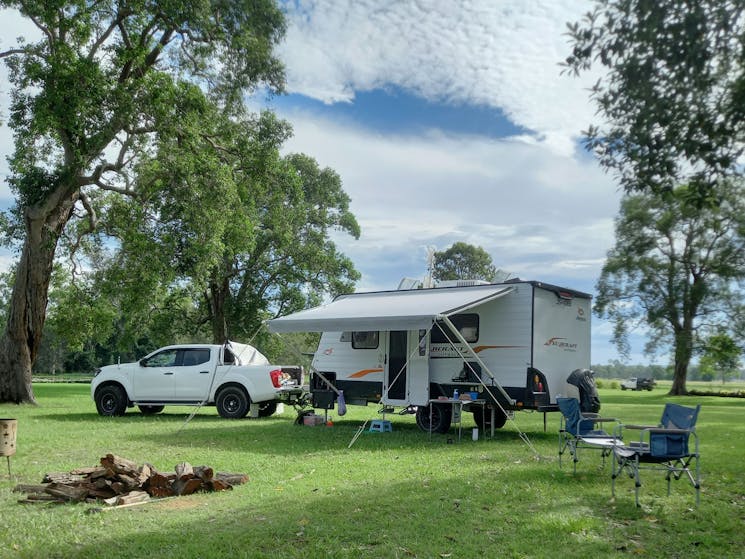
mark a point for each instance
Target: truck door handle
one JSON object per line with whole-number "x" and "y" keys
{"x": 168, "y": 373}
{"x": 204, "y": 372}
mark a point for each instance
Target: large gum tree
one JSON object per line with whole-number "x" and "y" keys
{"x": 88, "y": 99}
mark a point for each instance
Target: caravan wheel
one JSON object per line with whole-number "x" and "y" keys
{"x": 441, "y": 417}
{"x": 482, "y": 418}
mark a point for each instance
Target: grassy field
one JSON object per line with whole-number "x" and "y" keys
{"x": 400, "y": 494}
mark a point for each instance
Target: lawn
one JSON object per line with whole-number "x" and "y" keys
{"x": 400, "y": 494}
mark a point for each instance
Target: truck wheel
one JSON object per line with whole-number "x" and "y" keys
{"x": 232, "y": 402}
{"x": 482, "y": 418}
{"x": 267, "y": 408}
{"x": 441, "y": 417}
{"x": 150, "y": 410}
{"x": 623, "y": 387}
{"x": 111, "y": 400}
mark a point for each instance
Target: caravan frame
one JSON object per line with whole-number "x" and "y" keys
{"x": 511, "y": 345}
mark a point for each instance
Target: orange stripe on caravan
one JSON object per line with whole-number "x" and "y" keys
{"x": 364, "y": 372}
{"x": 481, "y": 348}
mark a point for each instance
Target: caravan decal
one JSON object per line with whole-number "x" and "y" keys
{"x": 437, "y": 351}
{"x": 561, "y": 343}
{"x": 365, "y": 372}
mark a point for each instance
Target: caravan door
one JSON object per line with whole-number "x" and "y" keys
{"x": 406, "y": 373}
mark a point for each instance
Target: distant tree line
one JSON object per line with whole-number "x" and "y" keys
{"x": 618, "y": 370}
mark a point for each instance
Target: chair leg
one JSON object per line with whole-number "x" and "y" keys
{"x": 637, "y": 480}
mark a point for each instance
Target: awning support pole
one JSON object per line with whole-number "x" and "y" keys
{"x": 462, "y": 340}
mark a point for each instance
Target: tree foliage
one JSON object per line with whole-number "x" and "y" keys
{"x": 675, "y": 268}
{"x": 672, "y": 100}
{"x": 88, "y": 98}
{"x": 463, "y": 261}
{"x": 721, "y": 357}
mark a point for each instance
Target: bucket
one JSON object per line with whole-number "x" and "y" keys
{"x": 8, "y": 428}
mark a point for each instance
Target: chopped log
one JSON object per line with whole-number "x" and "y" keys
{"x": 118, "y": 487}
{"x": 145, "y": 472}
{"x": 205, "y": 473}
{"x": 156, "y": 480}
{"x": 120, "y": 465}
{"x": 101, "y": 493}
{"x": 62, "y": 477}
{"x": 184, "y": 471}
{"x": 67, "y": 492}
{"x": 218, "y": 485}
{"x": 28, "y": 488}
{"x": 129, "y": 482}
{"x": 232, "y": 479}
{"x": 102, "y": 472}
{"x": 187, "y": 487}
{"x": 161, "y": 492}
{"x": 41, "y": 497}
{"x": 130, "y": 498}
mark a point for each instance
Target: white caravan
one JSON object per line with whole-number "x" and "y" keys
{"x": 510, "y": 345}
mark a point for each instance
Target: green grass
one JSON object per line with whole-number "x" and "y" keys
{"x": 397, "y": 494}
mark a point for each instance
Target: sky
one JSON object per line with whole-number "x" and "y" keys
{"x": 447, "y": 121}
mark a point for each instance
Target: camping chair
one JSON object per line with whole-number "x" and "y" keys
{"x": 577, "y": 430}
{"x": 662, "y": 447}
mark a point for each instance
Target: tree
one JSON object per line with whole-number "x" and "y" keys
{"x": 673, "y": 99}
{"x": 463, "y": 261}
{"x": 258, "y": 244}
{"x": 675, "y": 267}
{"x": 721, "y": 356}
{"x": 292, "y": 262}
{"x": 88, "y": 98}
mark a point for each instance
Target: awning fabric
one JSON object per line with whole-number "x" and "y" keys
{"x": 387, "y": 310}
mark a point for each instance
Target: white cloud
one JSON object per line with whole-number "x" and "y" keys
{"x": 503, "y": 54}
{"x": 537, "y": 213}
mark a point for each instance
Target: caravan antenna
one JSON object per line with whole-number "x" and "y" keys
{"x": 428, "y": 280}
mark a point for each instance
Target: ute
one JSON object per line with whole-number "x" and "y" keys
{"x": 634, "y": 383}
{"x": 236, "y": 378}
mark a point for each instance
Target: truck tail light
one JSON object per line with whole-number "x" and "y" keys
{"x": 276, "y": 376}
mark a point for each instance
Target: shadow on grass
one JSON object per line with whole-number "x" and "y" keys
{"x": 498, "y": 510}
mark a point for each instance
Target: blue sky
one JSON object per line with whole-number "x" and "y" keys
{"x": 447, "y": 121}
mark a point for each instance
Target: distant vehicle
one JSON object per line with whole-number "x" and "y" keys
{"x": 634, "y": 383}
{"x": 236, "y": 378}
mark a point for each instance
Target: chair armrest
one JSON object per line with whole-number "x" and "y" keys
{"x": 641, "y": 427}
{"x": 604, "y": 419}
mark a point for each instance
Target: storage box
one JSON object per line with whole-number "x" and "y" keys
{"x": 312, "y": 420}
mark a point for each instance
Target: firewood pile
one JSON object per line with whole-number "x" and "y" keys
{"x": 121, "y": 482}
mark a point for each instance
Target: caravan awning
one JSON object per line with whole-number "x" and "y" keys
{"x": 387, "y": 310}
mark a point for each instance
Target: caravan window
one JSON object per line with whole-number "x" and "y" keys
{"x": 365, "y": 340}
{"x": 467, "y": 325}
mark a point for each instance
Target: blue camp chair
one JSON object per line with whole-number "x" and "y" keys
{"x": 664, "y": 447}
{"x": 578, "y": 430}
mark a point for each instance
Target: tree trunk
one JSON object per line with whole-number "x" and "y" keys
{"x": 218, "y": 321}
{"x": 20, "y": 343}
{"x": 683, "y": 352}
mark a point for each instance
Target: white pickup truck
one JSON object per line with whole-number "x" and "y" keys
{"x": 236, "y": 378}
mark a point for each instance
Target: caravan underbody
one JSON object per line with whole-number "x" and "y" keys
{"x": 510, "y": 347}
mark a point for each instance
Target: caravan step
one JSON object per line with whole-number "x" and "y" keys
{"x": 380, "y": 426}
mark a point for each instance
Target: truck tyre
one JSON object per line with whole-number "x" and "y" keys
{"x": 482, "y": 418}
{"x": 623, "y": 387}
{"x": 441, "y": 417}
{"x": 111, "y": 400}
{"x": 267, "y": 408}
{"x": 150, "y": 410}
{"x": 232, "y": 402}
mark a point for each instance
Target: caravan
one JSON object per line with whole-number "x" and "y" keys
{"x": 499, "y": 347}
